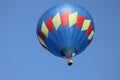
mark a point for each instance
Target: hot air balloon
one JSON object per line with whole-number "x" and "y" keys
{"x": 65, "y": 30}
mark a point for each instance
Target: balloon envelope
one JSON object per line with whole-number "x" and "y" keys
{"x": 65, "y": 30}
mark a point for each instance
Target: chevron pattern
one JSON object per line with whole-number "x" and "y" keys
{"x": 64, "y": 19}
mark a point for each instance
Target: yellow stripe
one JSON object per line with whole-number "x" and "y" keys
{"x": 91, "y": 35}
{"x": 72, "y": 19}
{"x": 44, "y": 29}
{"x": 56, "y": 21}
{"x": 41, "y": 41}
{"x": 86, "y": 24}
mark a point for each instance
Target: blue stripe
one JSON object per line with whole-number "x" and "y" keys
{"x": 67, "y": 36}
{"x": 53, "y": 45}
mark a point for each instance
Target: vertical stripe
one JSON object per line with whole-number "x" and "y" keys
{"x": 56, "y": 21}
{"x": 91, "y": 35}
{"x": 44, "y": 29}
{"x": 80, "y": 20}
{"x": 89, "y": 42}
{"x": 64, "y": 19}
{"x": 41, "y": 34}
{"x": 41, "y": 41}
{"x": 43, "y": 46}
{"x": 72, "y": 19}
{"x": 49, "y": 24}
{"x": 86, "y": 24}
{"x": 89, "y": 29}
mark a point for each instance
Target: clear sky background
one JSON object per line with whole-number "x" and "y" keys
{"x": 22, "y": 57}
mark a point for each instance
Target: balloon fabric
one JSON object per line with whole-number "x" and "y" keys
{"x": 65, "y": 30}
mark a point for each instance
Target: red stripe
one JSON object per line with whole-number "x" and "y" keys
{"x": 42, "y": 36}
{"x": 89, "y": 29}
{"x": 49, "y": 24}
{"x": 80, "y": 20}
{"x": 89, "y": 42}
{"x": 43, "y": 46}
{"x": 64, "y": 19}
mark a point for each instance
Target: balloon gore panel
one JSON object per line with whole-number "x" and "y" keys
{"x": 65, "y": 30}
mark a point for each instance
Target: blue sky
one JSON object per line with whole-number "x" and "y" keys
{"x": 22, "y": 58}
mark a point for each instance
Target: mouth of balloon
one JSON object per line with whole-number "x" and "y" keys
{"x": 68, "y": 52}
